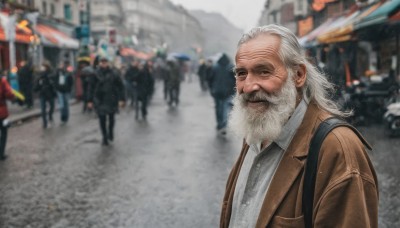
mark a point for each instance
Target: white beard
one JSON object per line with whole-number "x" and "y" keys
{"x": 266, "y": 122}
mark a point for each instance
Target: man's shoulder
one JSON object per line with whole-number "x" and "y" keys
{"x": 343, "y": 153}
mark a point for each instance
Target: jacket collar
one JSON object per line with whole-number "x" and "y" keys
{"x": 291, "y": 164}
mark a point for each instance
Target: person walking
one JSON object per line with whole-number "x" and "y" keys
{"x": 86, "y": 72}
{"x": 173, "y": 81}
{"x": 64, "y": 83}
{"x": 145, "y": 86}
{"x": 281, "y": 101}
{"x": 5, "y": 94}
{"x": 46, "y": 87}
{"x": 131, "y": 78}
{"x": 106, "y": 93}
{"x": 222, "y": 88}
{"x": 202, "y": 74}
{"x": 26, "y": 81}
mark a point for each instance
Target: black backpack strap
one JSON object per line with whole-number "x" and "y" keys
{"x": 312, "y": 162}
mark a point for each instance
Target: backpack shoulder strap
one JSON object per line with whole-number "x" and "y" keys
{"x": 312, "y": 163}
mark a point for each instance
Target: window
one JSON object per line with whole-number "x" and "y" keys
{"x": 44, "y": 7}
{"x": 300, "y": 5}
{"x": 30, "y": 3}
{"x": 67, "y": 12}
{"x": 52, "y": 10}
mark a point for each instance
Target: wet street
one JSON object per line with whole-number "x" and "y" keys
{"x": 167, "y": 172}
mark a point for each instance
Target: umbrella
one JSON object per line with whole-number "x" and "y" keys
{"x": 180, "y": 56}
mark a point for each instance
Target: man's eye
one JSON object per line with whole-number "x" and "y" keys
{"x": 241, "y": 74}
{"x": 264, "y": 72}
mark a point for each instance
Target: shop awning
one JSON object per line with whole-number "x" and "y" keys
{"x": 380, "y": 15}
{"x": 395, "y": 17}
{"x": 21, "y": 36}
{"x": 343, "y": 30}
{"x": 309, "y": 39}
{"x": 137, "y": 54}
{"x": 54, "y": 38}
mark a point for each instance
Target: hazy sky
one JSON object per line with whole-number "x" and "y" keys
{"x": 242, "y": 13}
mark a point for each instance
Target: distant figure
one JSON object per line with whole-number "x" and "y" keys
{"x": 131, "y": 80}
{"x": 86, "y": 74}
{"x": 145, "y": 86}
{"x": 222, "y": 88}
{"x": 106, "y": 92}
{"x": 64, "y": 83}
{"x": 202, "y": 73}
{"x": 5, "y": 94}
{"x": 173, "y": 82}
{"x": 45, "y": 86}
{"x": 26, "y": 80}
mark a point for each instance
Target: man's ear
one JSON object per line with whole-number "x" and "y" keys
{"x": 300, "y": 76}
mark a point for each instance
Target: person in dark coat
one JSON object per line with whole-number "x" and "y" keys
{"x": 25, "y": 79}
{"x": 64, "y": 83}
{"x": 145, "y": 87}
{"x": 86, "y": 73}
{"x": 5, "y": 94}
{"x": 106, "y": 92}
{"x": 222, "y": 87}
{"x": 131, "y": 77}
{"x": 45, "y": 86}
{"x": 202, "y": 73}
{"x": 174, "y": 81}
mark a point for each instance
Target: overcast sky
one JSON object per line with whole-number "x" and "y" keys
{"x": 242, "y": 13}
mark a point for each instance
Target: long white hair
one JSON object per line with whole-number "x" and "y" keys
{"x": 317, "y": 87}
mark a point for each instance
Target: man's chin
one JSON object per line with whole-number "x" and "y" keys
{"x": 257, "y": 106}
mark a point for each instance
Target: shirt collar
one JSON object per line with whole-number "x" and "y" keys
{"x": 290, "y": 128}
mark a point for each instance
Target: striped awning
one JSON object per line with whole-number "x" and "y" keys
{"x": 55, "y": 38}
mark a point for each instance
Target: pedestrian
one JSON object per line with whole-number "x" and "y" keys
{"x": 5, "y": 94}
{"x": 280, "y": 101}
{"x": 14, "y": 82}
{"x": 86, "y": 74}
{"x": 106, "y": 93}
{"x": 173, "y": 81}
{"x": 64, "y": 83}
{"x": 145, "y": 86}
{"x": 131, "y": 79}
{"x": 202, "y": 74}
{"x": 222, "y": 88}
{"x": 46, "y": 87}
{"x": 26, "y": 80}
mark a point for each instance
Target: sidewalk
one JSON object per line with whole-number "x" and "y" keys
{"x": 18, "y": 114}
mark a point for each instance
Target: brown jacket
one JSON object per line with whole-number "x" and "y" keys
{"x": 346, "y": 193}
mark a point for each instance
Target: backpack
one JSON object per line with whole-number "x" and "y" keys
{"x": 312, "y": 163}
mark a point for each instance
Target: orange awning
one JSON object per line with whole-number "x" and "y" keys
{"x": 395, "y": 17}
{"x": 136, "y": 54}
{"x": 342, "y": 31}
{"x": 20, "y": 36}
{"x": 319, "y": 5}
{"x": 53, "y": 37}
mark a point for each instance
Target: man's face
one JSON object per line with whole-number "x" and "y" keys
{"x": 266, "y": 96}
{"x": 103, "y": 63}
{"x": 259, "y": 68}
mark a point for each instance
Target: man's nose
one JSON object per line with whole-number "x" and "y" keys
{"x": 251, "y": 84}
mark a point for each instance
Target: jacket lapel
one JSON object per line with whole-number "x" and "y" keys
{"x": 290, "y": 166}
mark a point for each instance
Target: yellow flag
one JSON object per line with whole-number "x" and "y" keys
{"x": 18, "y": 95}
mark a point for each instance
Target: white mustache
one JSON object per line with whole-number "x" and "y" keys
{"x": 259, "y": 96}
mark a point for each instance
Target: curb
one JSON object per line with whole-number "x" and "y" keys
{"x": 20, "y": 118}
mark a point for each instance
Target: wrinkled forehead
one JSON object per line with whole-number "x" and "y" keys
{"x": 261, "y": 46}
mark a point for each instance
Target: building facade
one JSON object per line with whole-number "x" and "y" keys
{"x": 145, "y": 24}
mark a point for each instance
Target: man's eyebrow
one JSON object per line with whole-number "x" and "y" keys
{"x": 236, "y": 69}
{"x": 264, "y": 65}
